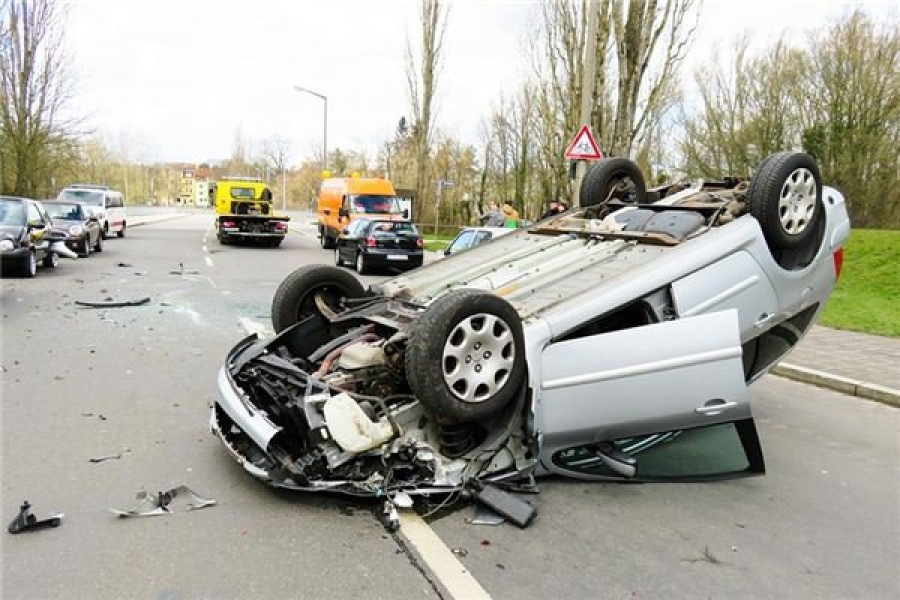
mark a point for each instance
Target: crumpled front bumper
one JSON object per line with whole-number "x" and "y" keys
{"x": 249, "y": 420}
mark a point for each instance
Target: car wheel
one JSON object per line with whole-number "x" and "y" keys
{"x": 29, "y": 267}
{"x": 362, "y": 266}
{"x": 121, "y": 232}
{"x": 465, "y": 357}
{"x": 610, "y": 178}
{"x": 338, "y": 262}
{"x": 51, "y": 261}
{"x": 785, "y": 196}
{"x": 86, "y": 246}
{"x": 98, "y": 247}
{"x": 325, "y": 241}
{"x": 105, "y": 232}
{"x": 295, "y": 298}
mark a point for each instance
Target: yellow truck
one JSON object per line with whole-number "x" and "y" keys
{"x": 244, "y": 211}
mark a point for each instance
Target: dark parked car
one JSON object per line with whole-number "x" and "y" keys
{"x": 81, "y": 227}
{"x": 26, "y": 237}
{"x": 371, "y": 243}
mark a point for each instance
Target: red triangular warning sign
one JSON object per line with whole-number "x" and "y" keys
{"x": 583, "y": 146}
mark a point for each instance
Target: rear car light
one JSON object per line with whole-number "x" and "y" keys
{"x": 371, "y": 242}
{"x": 281, "y": 226}
{"x": 838, "y": 257}
{"x": 228, "y": 224}
{"x": 420, "y": 243}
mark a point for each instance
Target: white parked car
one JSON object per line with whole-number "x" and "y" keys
{"x": 106, "y": 204}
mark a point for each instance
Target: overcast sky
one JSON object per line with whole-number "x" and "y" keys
{"x": 177, "y": 78}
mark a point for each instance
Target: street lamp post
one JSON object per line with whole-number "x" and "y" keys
{"x": 325, "y": 123}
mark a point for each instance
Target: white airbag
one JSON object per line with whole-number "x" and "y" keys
{"x": 351, "y": 428}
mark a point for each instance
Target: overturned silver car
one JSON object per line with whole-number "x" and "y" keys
{"x": 613, "y": 342}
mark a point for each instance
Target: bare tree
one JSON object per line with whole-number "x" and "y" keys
{"x": 275, "y": 151}
{"x": 35, "y": 139}
{"x": 422, "y": 76}
{"x": 646, "y": 32}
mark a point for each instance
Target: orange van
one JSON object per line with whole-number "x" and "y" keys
{"x": 343, "y": 199}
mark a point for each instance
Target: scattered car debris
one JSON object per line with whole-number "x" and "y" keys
{"x": 486, "y": 516}
{"x": 125, "y": 265}
{"x": 100, "y": 459}
{"x": 461, "y": 552}
{"x": 181, "y": 271}
{"x": 114, "y": 303}
{"x": 181, "y": 498}
{"x": 514, "y": 508}
{"x": 26, "y": 521}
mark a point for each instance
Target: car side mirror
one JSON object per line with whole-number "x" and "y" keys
{"x": 93, "y": 218}
{"x": 447, "y": 252}
{"x": 343, "y": 212}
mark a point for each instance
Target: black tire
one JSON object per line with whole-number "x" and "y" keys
{"x": 441, "y": 381}
{"x": 338, "y": 261}
{"x": 105, "y": 231}
{"x": 29, "y": 265}
{"x": 326, "y": 241}
{"x": 295, "y": 298}
{"x": 785, "y": 196}
{"x": 600, "y": 183}
{"x": 51, "y": 261}
{"x": 98, "y": 247}
{"x": 121, "y": 232}
{"x": 362, "y": 265}
{"x": 85, "y": 246}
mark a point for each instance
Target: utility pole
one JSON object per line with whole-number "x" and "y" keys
{"x": 588, "y": 77}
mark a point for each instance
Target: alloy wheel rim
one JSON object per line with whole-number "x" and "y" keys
{"x": 797, "y": 203}
{"x": 478, "y": 357}
{"x": 32, "y": 263}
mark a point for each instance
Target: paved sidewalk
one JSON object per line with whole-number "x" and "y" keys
{"x": 855, "y": 363}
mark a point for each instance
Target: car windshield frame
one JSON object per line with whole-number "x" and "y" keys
{"x": 9, "y": 209}
{"x": 395, "y": 227}
{"x": 82, "y": 196}
{"x": 367, "y": 203}
{"x": 64, "y": 210}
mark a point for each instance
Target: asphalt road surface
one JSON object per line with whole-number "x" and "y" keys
{"x": 82, "y": 383}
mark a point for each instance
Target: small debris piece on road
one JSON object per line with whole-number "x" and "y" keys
{"x": 26, "y": 521}
{"x": 125, "y": 265}
{"x": 113, "y": 303}
{"x": 101, "y": 459}
{"x": 179, "y": 498}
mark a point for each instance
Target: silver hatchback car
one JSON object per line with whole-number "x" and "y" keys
{"x": 613, "y": 342}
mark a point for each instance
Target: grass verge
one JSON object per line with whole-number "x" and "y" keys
{"x": 867, "y": 297}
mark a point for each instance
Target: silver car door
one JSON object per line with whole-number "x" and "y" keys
{"x": 641, "y": 383}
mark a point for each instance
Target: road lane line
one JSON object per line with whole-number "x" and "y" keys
{"x": 209, "y": 261}
{"x": 452, "y": 574}
{"x": 205, "y": 249}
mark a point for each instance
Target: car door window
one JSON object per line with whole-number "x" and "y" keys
{"x": 720, "y": 450}
{"x": 33, "y": 215}
{"x": 481, "y": 237}
{"x": 462, "y": 241}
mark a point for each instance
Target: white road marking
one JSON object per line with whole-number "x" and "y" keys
{"x": 209, "y": 261}
{"x": 440, "y": 559}
{"x": 251, "y": 327}
{"x": 226, "y": 293}
{"x": 205, "y": 249}
{"x": 212, "y": 283}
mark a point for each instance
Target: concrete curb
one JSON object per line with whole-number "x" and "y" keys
{"x": 846, "y": 385}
